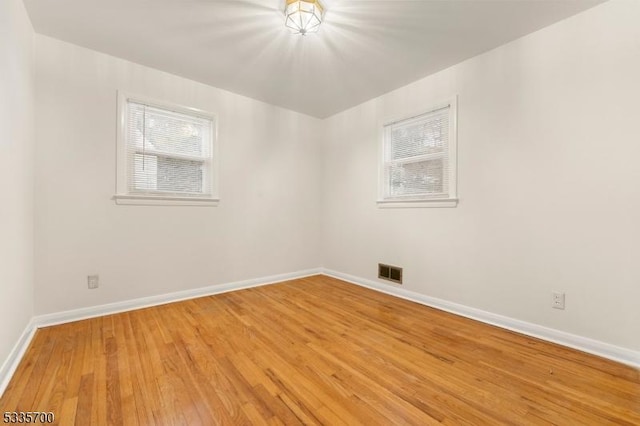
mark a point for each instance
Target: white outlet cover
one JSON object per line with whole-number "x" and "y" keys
{"x": 558, "y": 300}
{"x": 93, "y": 281}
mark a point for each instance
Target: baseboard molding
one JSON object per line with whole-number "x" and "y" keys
{"x": 15, "y": 356}
{"x": 595, "y": 347}
{"x": 145, "y": 302}
{"x": 605, "y": 350}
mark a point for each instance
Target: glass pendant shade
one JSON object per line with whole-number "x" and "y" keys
{"x": 303, "y": 16}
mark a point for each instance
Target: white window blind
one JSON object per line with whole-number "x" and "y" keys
{"x": 417, "y": 158}
{"x": 168, "y": 153}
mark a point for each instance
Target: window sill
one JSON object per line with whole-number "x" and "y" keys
{"x": 435, "y": 203}
{"x": 150, "y": 200}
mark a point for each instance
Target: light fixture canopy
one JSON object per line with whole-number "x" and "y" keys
{"x": 303, "y": 16}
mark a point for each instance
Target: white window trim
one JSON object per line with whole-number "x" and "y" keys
{"x": 452, "y": 200}
{"x": 123, "y": 196}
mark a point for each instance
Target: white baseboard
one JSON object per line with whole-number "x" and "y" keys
{"x": 615, "y": 353}
{"x": 15, "y": 356}
{"x": 585, "y": 344}
{"x": 161, "y": 299}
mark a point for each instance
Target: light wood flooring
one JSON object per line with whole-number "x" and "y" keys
{"x": 312, "y": 351}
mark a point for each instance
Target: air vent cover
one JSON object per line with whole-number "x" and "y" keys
{"x": 390, "y": 273}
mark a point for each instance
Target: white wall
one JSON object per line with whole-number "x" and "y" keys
{"x": 267, "y": 222}
{"x": 548, "y": 140}
{"x": 16, "y": 173}
{"x": 549, "y": 181}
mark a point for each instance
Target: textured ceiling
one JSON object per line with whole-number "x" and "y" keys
{"x": 364, "y": 48}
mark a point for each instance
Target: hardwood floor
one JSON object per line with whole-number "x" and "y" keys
{"x": 312, "y": 351}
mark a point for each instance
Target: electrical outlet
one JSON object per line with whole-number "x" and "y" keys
{"x": 93, "y": 281}
{"x": 558, "y": 300}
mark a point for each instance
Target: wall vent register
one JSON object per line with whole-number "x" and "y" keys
{"x": 390, "y": 273}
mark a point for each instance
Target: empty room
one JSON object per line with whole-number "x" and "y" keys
{"x": 221, "y": 212}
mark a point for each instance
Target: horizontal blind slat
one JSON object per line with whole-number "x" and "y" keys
{"x": 168, "y": 151}
{"x": 417, "y": 156}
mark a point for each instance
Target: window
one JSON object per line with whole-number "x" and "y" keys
{"x": 166, "y": 154}
{"x": 418, "y": 166}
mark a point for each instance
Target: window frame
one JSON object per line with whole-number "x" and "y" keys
{"x": 452, "y": 199}
{"x": 123, "y": 195}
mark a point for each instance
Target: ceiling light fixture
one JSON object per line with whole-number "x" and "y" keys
{"x": 303, "y": 16}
